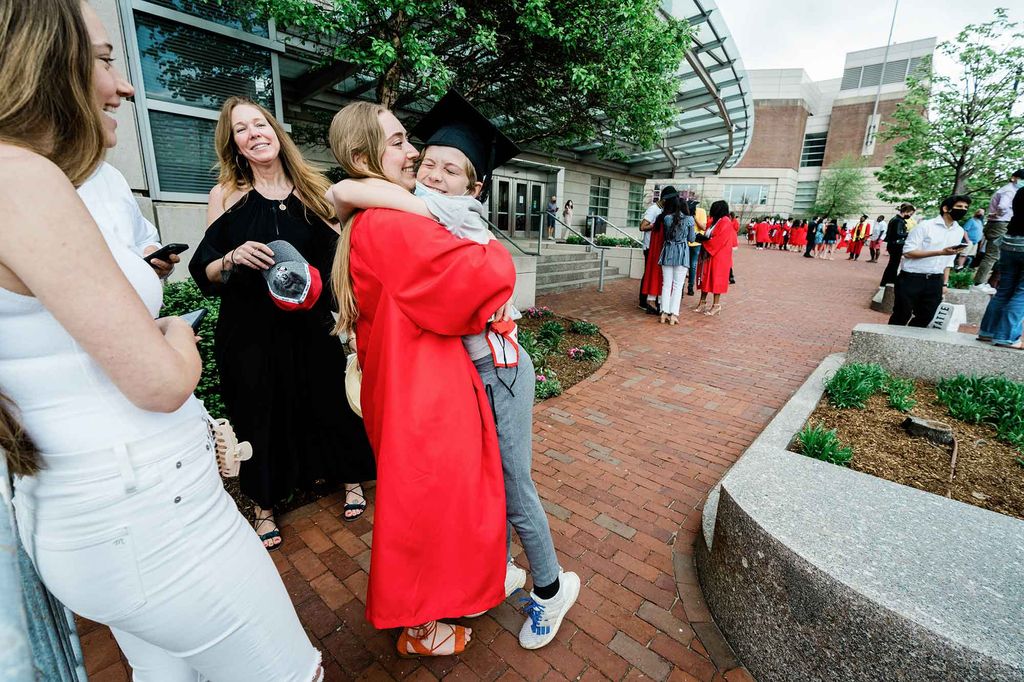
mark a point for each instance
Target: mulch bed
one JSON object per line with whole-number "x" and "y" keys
{"x": 569, "y": 372}
{"x": 987, "y": 474}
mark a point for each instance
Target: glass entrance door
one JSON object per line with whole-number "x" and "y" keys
{"x": 503, "y": 207}
{"x": 521, "y": 207}
{"x": 536, "y": 207}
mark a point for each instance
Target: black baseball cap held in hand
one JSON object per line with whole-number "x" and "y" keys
{"x": 294, "y": 284}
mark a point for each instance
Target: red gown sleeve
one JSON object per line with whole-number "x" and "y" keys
{"x": 721, "y": 237}
{"x": 443, "y": 284}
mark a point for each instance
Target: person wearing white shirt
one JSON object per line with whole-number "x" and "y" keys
{"x": 112, "y": 205}
{"x": 646, "y": 225}
{"x": 875, "y": 239}
{"x": 1000, "y": 210}
{"x": 928, "y": 254}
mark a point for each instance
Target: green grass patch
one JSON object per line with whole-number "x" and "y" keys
{"x": 962, "y": 279}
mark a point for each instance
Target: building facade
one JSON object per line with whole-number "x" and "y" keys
{"x": 185, "y": 57}
{"x": 806, "y": 127}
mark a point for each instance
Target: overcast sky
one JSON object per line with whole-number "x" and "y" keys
{"x": 815, "y": 35}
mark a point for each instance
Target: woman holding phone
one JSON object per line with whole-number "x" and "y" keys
{"x": 127, "y": 523}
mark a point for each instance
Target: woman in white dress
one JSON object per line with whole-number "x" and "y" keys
{"x": 127, "y": 522}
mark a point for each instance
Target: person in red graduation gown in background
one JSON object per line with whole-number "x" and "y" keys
{"x": 717, "y": 243}
{"x": 652, "y": 281}
{"x": 761, "y": 232}
{"x": 410, "y": 289}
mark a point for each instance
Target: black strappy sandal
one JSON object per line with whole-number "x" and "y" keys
{"x": 353, "y": 506}
{"x": 271, "y": 535}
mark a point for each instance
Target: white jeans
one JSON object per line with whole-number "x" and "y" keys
{"x": 673, "y": 278}
{"x": 142, "y": 537}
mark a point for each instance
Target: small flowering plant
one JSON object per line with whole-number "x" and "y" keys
{"x": 587, "y": 353}
{"x": 539, "y": 312}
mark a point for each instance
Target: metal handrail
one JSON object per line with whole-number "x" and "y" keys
{"x": 495, "y": 230}
{"x": 616, "y": 228}
{"x": 601, "y": 249}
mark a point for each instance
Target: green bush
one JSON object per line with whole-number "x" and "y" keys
{"x": 961, "y": 279}
{"x": 854, "y": 383}
{"x": 993, "y": 400}
{"x": 584, "y": 328}
{"x": 605, "y": 240}
{"x": 821, "y": 443}
{"x": 575, "y": 239}
{"x": 184, "y": 297}
{"x": 548, "y": 388}
{"x": 550, "y": 333}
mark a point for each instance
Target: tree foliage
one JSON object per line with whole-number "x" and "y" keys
{"x": 842, "y": 190}
{"x": 551, "y": 72}
{"x": 961, "y": 134}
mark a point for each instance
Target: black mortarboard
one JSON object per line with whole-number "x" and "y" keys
{"x": 454, "y": 122}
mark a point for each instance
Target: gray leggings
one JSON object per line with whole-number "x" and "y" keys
{"x": 510, "y": 390}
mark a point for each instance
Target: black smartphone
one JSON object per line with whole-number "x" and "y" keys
{"x": 164, "y": 253}
{"x": 195, "y": 318}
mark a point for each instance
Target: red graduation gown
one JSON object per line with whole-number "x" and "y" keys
{"x": 715, "y": 276}
{"x": 761, "y": 232}
{"x": 651, "y": 285}
{"x": 439, "y": 522}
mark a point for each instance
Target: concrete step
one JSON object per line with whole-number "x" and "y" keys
{"x": 563, "y": 257}
{"x": 568, "y": 265}
{"x": 588, "y": 273}
{"x": 569, "y": 285}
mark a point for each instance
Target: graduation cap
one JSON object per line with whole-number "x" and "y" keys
{"x": 454, "y": 122}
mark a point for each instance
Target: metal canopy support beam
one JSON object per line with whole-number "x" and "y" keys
{"x": 683, "y": 162}
{"x": 316, "y": 81}
{"x": 704, "y": 47}
{"x": 693, "y": 134}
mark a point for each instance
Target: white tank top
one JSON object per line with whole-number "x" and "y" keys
{"x": 63, "y": 398}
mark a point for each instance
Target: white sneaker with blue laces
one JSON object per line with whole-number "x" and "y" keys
{"x": 515, "y": 579}
{"x": 544, "y": 616}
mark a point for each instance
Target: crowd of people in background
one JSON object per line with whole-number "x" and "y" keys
{"x": 686, "y": 247}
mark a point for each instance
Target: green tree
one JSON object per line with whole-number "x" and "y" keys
{"x": 552, "y": 72}
{"x": 961, "y": 134}
{"x": 842, "y": 190}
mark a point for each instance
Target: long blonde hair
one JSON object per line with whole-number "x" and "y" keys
{"x": 236, "y": 173}
{"x": 355, "y": 133}
{"x": 19, "y": 450}
{"x": 46, "y": 98}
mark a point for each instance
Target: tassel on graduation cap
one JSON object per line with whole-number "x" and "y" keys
{"x": 454, "y": 122}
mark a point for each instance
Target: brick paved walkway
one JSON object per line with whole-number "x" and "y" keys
{"x": 623, "y": 462}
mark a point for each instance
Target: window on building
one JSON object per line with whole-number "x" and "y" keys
{"x": 806, "y": 193}
{"x": 813, "y": 153}
{"x": 192, "y": 56}
{"x": 635, "y": 208}
{"x": 600, "y": 194}
{"x": 746, "y": 195}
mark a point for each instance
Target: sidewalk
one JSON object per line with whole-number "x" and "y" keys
{"x": 623, "y": 462}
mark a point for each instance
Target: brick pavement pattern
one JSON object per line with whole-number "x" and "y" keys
{"x": 623, "y": 462}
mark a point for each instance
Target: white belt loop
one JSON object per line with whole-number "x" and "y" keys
{"x": 124, "y": 464}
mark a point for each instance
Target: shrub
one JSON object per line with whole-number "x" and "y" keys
{"x": 546, "y": 387}
{"x": 961, "y": 279}
{"x": 899, "y": 391}
{"x": 605, "y": 240}
{"x": 994, "y": 400}
{"x": 854, "y": 383}
{"x": 184, "y": 297}
{"x": 583, "y": 328}
{"x": 821, "y": 443}
{"x": 575, "y": 239}
{"x": 587, "y": 353}
{"x": 537, "y": 313}
{"x": 550, "y": 333}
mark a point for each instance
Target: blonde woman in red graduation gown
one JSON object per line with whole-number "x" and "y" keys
{"x": 439, "y": 521}
{"x": 717, "y": 244}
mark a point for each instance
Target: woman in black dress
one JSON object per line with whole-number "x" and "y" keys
{"x": 282, "y": 372}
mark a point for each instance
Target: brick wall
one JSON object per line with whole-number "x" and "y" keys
{"x": 778, "y": 135}
{"x": 846, "y": 132}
